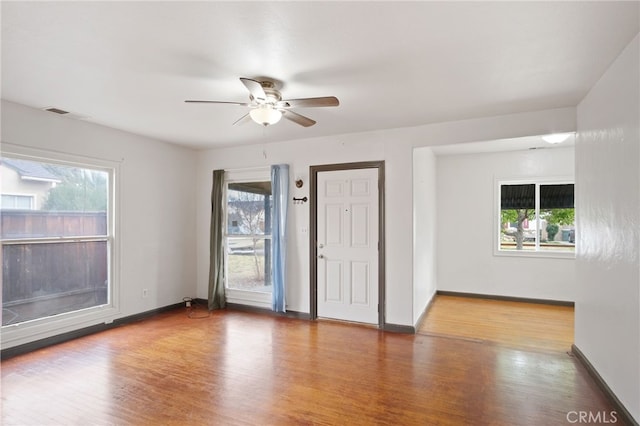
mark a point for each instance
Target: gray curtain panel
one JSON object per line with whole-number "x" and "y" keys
{"x": 216, "y": 295}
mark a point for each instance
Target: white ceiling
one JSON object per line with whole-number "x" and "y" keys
{"x": 130, "y": 65}
{"x": 501, "y": 145}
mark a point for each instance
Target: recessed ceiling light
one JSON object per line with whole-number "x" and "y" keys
{"x": 556, "y": 137}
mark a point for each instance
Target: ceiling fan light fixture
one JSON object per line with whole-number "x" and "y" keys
{"x": 555, "y": 138}
{"x": 265, "y": 115}
{"x": 268, "y": 107}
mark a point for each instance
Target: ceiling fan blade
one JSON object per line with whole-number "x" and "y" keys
{"x": 298, "y": 119}
{"x": 255, "y": 88}
{"x": 326, "y": 101}
{"x": 244, "y": 119}
{"x": 191, "y": 101}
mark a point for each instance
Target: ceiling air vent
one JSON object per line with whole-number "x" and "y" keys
{"x": 65, "y": 113}
{"x": 57, "y": 110}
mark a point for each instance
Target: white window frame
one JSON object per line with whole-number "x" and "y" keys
{"x": 41, "y": 328}
{"x": 31, "y": 197}
{"x": 537, "y": 181}
{"x": 232, "y": 295}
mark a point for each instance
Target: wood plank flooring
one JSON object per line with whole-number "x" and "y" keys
{"x": 515, "y": 324}
{"x": 240, "y": 368}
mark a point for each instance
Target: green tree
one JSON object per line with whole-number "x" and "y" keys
{"x": 559, "y": 216}
{"x": 552, "y": 230}
{"x": 517, "y": 216}
{"x": 80, "y": 190}
{"x": 555, "y": 218}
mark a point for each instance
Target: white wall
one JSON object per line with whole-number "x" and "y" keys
{"x": 608, "y": 225}
{"x": 299, "y": 155}
{"x": 424, "y": 230}
{"x": 156, "y": 199}
{"x": 466, "y": 229}
{"x": 395, "y": 147}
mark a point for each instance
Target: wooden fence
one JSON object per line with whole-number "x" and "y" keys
{"x": 34, "y": 272}
{"x": 40, "y": 224}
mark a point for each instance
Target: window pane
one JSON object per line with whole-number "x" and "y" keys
{"x": 518, "y": 230}
{"x": 557, "y": 216}
{"x": 249, "y": 208}
{"x": 518, "y": 196}
{"x": 517, "y": 217}
{"x": 70, "y": 201}
{"x": 40, "y": 280}
{"x": 558, "y": 230}
{"x": 24, "y": 202}
{"x": 248, "y": 264}
{"x": 556, "y": 196}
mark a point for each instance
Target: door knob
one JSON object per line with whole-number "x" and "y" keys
{"x": 320, "y": 245}
{"x": 321, "y": 256}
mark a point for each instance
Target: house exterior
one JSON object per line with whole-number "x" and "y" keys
{"x": 25, "y": 184}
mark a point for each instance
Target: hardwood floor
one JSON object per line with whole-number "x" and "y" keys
{"x": 515, "y": 324}
{"x": 239, "y": 368}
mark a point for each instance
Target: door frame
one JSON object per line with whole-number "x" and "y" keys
{"x": 313, "y": 232}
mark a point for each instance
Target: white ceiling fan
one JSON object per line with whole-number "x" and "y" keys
{"x": 268, "y": 107}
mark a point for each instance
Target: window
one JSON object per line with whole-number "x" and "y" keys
{"x": 18, "y": 202}
{"x": 248, "y": 236}
{"x": 57, "y": 257}
{"x": 536, "y": 217}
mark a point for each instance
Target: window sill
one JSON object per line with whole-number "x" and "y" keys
{"x": 250, "y": 298}
{"x": 535, "y": 254}
{"x": 30, "y": 331}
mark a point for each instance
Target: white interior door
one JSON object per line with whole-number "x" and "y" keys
{"x": 347, "y": 235}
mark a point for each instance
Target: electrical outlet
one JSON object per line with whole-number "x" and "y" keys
{"x": 145, "y": 293}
